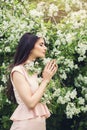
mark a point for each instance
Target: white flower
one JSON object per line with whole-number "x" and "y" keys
{"x": 73, "y": 94}
{"x": 60, "y": 59}
{"x": 0, "y": 50}
{"x": 3, "y": 64}
{"x": 46, "y": 60}
{"x": 86, "y": 96}
{"x": 63, "y": 75}
{"x": 35, "y": 13}
{"x": 42, "y": 6}
{"x": 52, "y": 10}
{"x": 38, "y": 70}
{"x": 59, "y": 33}
{"x": 58, "y": 42}
{"x": 63, "y": 41}
{"x": 29, "y": 65}
{"x": 60, "y": 100}
{"x": 77, "y": 3}
{"x": 81, "y": 101}
{"x": 39, "y": 80}
{"x": 81, "y": 48}
{"x": 33, "y": 67}
{"x": 7, "y": 49}
{"x": 67, "y": 7}
{"x": 43, "y": 30}
{"x": 56, "y": 92}
{"x": 77, "y": 18}
{"x": 56, "y": 51}
{"x": 4, "y": 78}
{"x": 81, "y": 58}
{"x": 77, "y": 25}
{"x": 31, "y": 24}
{"x": 84, "y": 108}
{"x": 85, "y": 79}
{"x": 70, "y": 95}
{"x": 39, "y": 34}
{"x": 46, "y": 98}
{"x": 66, "y": 98}
{"x": 69, "y": 63}
{"x": 1, "y": 88}
{"x": 8, "y": 101}
{"x": 71, "y": 110}
{"x": 69, "y": 37}
{"x": 84, "y": 89}
{"x": 76, "y": 66}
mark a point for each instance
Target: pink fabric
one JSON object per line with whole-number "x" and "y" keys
{"x": 32, "y": 124}
{"x": 22, "y": 112}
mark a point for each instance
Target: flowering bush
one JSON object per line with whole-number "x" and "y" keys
{"x": 63, "y": 24}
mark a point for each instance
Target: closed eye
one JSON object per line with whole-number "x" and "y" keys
{"x": 41, "y": 44}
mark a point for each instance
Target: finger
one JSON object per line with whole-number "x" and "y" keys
{"x": 54, "y": 70}
{"x": 46, "y": 67}
{"x": 51, "y": 64}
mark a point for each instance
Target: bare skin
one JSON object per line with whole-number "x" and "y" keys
{"x": 48, "y": 72}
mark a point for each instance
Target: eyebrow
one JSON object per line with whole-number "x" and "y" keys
{"x": 42, "y": 43}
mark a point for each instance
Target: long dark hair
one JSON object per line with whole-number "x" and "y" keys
{"x": 25, "y": 45}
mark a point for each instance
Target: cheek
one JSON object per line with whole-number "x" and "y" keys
{"x": 36, "y": 51}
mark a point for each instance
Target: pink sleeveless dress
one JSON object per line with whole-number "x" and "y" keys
{"x": 24, "y": 118}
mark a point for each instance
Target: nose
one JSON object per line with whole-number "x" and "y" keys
{"x": 45, "y": 48}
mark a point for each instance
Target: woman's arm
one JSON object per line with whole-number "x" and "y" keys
{"x": 24, "y": 90}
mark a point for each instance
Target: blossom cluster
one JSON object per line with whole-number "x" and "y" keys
{"x": 66, "y": 39}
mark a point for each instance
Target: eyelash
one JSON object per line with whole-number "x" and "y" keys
{"x": 41, "y": 44}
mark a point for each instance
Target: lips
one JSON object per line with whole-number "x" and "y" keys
{"x": 44, "y": 52}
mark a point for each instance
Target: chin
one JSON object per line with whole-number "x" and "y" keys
{"x": 41, "y": 57}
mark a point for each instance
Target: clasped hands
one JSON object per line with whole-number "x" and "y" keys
{"x": 49, "y": 70}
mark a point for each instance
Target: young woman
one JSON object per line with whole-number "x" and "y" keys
{"x": 30, "y": 113}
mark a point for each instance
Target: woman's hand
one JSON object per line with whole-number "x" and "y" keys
{"x": 49, "y": 70}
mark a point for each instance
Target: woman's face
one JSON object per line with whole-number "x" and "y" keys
{"x": 39, "y": 49}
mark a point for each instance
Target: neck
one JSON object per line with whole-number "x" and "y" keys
{"x": 29, "y": 60}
